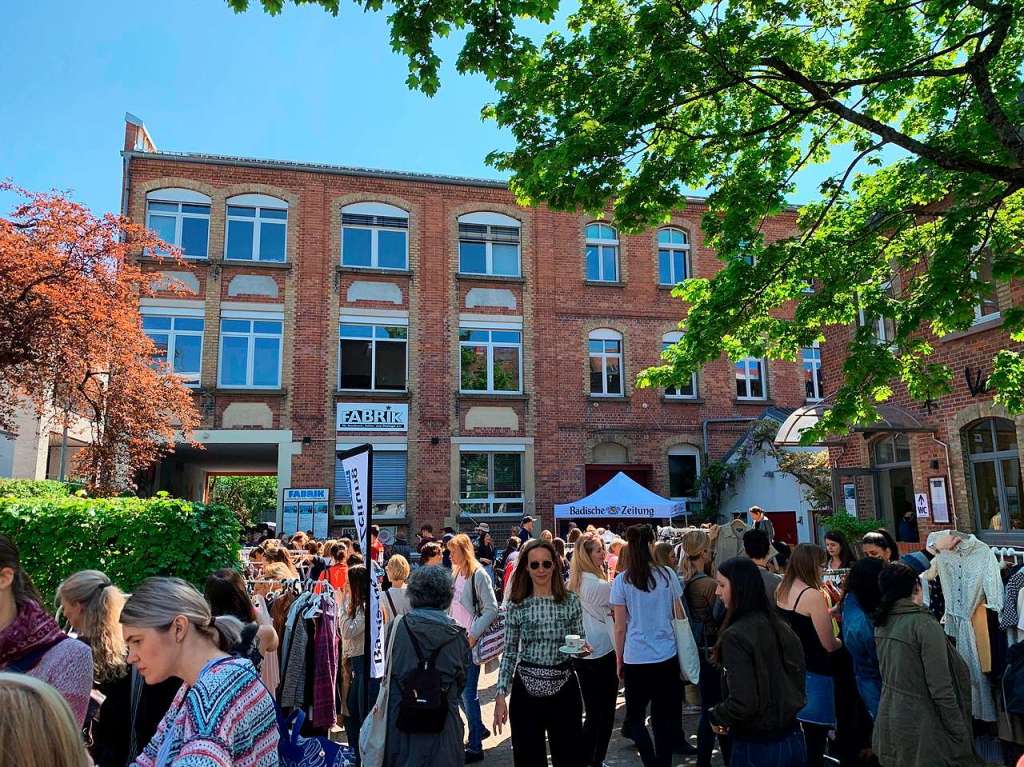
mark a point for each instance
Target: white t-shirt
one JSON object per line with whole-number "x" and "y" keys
{"x": 459, "y": 613}
{"x": 649, "y": 637}
{"x": 597, "y": 623}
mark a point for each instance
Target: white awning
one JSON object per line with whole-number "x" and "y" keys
{"x": 621, "y": 497}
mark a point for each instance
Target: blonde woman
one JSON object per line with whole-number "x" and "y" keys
{"x": 92, "y": 605}
{"x": 474, "y": 608}
{"x": 396, "y": 601}
{"x": 37, "y": 728}
{"x": 223, "y": 714}
{"x": 599, "y": 682}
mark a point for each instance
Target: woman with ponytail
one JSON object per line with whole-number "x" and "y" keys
{"x": 32, "y": 643}
{"x": 924, "y": 717}
{"x": 117, "y": 730}
{"x": 223, "y": 715}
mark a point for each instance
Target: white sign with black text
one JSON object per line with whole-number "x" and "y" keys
{"x": 921, "y": 503}
{"x": 940, "y": 505}
{"x": 373, "y": 416}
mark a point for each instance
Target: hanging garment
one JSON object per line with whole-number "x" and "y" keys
{"x": 969, "y": 574}
{"x": 1009, "y": 617}
{"x": 270, "y": 670}
{"x": 729, "y": 542}
{"x": 979, "y": 625}
{"x": 325, "y": 664}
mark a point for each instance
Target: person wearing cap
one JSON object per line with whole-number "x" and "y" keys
{"x": 526, "y": 529}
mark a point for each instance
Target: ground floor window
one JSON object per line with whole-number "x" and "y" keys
{"x": 491, "y": 483}
{"x": 389, "y": 485}
{"x": 994, "y": 467}
{"x": 684, "y": 475}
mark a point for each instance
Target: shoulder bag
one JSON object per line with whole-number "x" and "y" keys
{"x": 491, "y": 643}
{"x": 373, "y": 734}
{"x": 686, "y": 646}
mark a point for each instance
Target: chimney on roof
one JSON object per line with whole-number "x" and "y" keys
{"x": 136, "y": 137}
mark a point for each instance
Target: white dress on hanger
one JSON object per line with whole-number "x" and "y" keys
{"x": 969, "y": 574}
{"x": 270, "y": 669}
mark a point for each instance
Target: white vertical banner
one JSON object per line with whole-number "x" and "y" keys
{"x": 357, "y": 464}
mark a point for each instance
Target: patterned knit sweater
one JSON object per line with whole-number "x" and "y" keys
{"x": 67, "y": 667}
{"x": 226, "y": 720}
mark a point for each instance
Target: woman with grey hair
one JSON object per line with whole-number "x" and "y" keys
{"x": 223, "y": 714}
{"x": 425, "y": 630}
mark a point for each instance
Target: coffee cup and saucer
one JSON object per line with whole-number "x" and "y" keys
{"x": 574, "y": 645}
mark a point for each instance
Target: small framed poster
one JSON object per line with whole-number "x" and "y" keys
{"x": 850, "y": 498}
{"x": 940, "y": 501}
{"x": 305, "y": 508}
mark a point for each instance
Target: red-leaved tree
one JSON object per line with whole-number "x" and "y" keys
{"x": 71, "y": 340}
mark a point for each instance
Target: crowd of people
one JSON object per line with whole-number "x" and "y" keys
{"x": 802, "y": 653}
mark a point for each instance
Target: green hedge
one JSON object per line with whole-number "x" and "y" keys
{"x": 127, "y": 538}
{"x": 32, "y": 488}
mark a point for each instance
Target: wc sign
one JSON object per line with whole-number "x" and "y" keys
{"x": 921, "y": 503}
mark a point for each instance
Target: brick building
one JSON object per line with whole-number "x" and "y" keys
{"x": 486, "y": 350}
{"x": 950, "y": 463}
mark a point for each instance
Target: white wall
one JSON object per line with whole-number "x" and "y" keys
{"x": 780, "y": 492}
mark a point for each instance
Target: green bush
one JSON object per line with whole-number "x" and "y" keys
{"x": 34, "y": 488}
{"x": 127, "y": 538}
{"x": 851, "y": 526}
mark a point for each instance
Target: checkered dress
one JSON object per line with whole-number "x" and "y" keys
{"x": 534, "y": 630}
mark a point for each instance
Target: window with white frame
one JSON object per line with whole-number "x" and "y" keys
{"x": 371, "y": 356}
{"x": 604, "y": 348}
{"x": 883, "y": 329}
{"x": 489, "y": 244}
{"x": 250, "y": 351}
{"x": 988, "y": 305}
{"x": 180, "y": 217}
{"x": 602, "y": 253}
{"x": 673, "y": 256}
{"x": 687, "y": 390}
{"x": 178, "y": 339}
{"x": 491, "y": 482}
{"x": 750, "y": 377}
{"x": 257, "y": 228}
{"x": 490, "y": 359}
{"x": 683, "y": 471}
{"x": 374, "y": 235}
{"x": 813, "y": 386}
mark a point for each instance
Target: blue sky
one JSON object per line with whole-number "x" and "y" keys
{"x": 302, "y": 86}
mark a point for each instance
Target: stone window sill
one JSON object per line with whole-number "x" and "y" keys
{"x": 252, "y": 264}
{"x": 489, "y": 278}
{"x": 374, "y": 270}
{"x": 364, "y": 394}
{"x": 511, "y": 396}
{"x": 989, "y": 323}
{"x": 612, "y": 398}
{"x": 604, "y": 283}
{"x": 682, "y": 400}
{"x": 252, "y": 392}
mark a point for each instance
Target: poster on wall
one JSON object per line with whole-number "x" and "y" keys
{"x": 850, "y": 498}
{"x": 305, "y": 508}
{"x": 940, "y": 503}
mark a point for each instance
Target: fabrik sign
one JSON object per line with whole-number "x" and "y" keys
{"x": 364, "y": 416}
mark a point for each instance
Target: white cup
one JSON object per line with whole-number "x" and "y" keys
{"x": 574, "y": 641}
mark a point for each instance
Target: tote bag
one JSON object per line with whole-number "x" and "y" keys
{"x": 686, "y": 646}
{"x": 492, "y": 642}
{"x": 373, "y": 734}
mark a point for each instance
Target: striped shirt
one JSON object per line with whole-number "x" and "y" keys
{"x": 534, "y": 630}
{"x": 226, "y": 720}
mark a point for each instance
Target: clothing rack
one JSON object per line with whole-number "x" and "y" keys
{"x": 1009, "y": 553}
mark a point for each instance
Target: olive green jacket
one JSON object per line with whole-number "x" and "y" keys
{"x": 924, "y": 717}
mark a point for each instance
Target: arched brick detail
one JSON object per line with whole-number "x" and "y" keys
{"x": 622, "y": 440}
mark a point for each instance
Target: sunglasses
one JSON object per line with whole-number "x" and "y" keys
{"x": 547, "y": 564}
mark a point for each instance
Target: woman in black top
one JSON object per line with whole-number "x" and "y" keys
{"x": 226, "y": 594}
{"x": 802, "y": 604}
{"x": 763, "y": 673}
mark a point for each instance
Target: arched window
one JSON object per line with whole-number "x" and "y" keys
{"x": 374, "y": 235}
{"x": 673, "y": 256}
{"x": 683, "y": 471}
{"x": 489, "y": 244}
{"x": 180, "y": 217}
{"x": 602, "y": 253}
{"x": 257, "y": 228}
{"x": 994, "y": 461}
{"x": 893, "y": 449}
{"x": 605, "y": 351}
{"x": 687, "y": 390}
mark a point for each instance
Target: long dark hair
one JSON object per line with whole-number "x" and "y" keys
{"x": 862, "y": 582}
{"x": 896, "y": 581}
{"x": 747, "y": 595}
{"x": 522, "y": 583}
{"x": 846, "y": 555}
{"x": 641, "y": 561}
{"x": 883, "y": 540}
{"x": 225, "y": 591}
{"x": 804, "y": 565}
{"x": 359, "y": 588}
{"x": 22, "y": 587}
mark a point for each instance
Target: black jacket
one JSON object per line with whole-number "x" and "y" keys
{"x": 763, "y": 671}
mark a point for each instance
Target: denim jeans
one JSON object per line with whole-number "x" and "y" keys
{"x": 787, "y": 752}
{"x": 471, "y": 705}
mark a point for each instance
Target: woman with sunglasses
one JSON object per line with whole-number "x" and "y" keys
{"x": 545, "y": 693}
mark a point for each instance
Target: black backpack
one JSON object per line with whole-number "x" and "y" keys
{"x": 423, "y": 708}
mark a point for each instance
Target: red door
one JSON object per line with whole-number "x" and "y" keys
{"x": 784, "y": 523}
{"x": 596, "y": 475}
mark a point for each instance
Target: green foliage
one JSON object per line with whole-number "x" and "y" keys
{"x": 32, "y": 488}
{"x": 631, "y": 104}
{"x": 127, "y": 538}
{"x": 851, "y": 526}
{"x": 716, "y": 483}
{"x": 249, "y": 497}
{"x": 813, "y": 472}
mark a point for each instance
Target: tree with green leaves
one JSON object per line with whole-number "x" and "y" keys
{"x": 632, "y": 103}
{"x": 250, "y": 497}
